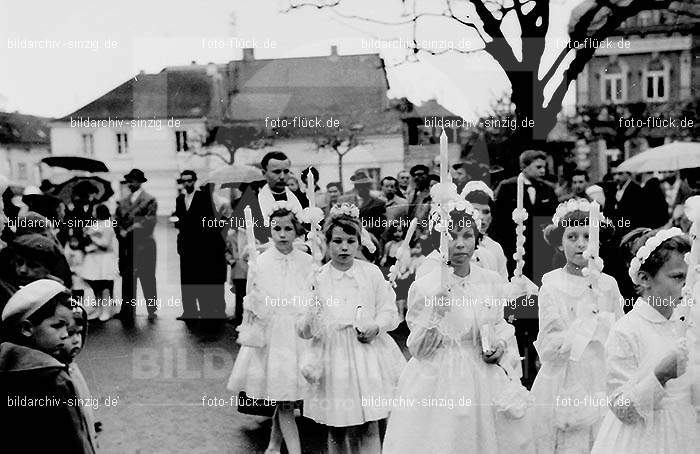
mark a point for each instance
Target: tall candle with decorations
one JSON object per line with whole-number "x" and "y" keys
{"x": 252, "y": 249}
{"x": 521, "y": 191}
{"x": 594, "y": 229}
{"x": 444, "y": 158}
{"x": 310, "y": 188}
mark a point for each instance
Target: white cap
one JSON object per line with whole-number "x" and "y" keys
{"x": 592, "y": 189}
{"x": 31, "y": 297}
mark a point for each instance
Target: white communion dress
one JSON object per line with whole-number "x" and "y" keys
{"x": 355, "y": 377}
{"x": 569, "y": 390}
{"x": 450, "y": 400}
{"x": 282, "y": 294}
{"x": 645, "y": 417}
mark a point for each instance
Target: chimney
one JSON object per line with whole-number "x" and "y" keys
{"x": 334, "y": 50}
{"x": 248, "y": 54}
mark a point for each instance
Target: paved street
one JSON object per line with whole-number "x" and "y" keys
{"x": 158, "y": 374}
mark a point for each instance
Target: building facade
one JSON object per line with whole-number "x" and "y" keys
{"x": 195, "y": 116}
{"x": 643, "y": 90}
{"x": 24, "y": 141}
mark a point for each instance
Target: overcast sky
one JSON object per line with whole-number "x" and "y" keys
{"x": 149, "y": 35}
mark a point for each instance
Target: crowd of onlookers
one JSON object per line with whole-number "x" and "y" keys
{"x": 89, "y": 249}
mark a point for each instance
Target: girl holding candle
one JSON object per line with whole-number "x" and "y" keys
{"x": 575, "y": 316}
{"x": 647, "y": 355}
{"x": 454, "y": 397}
{"x": 267, "y": 365}
{"x": 358, "y": 362}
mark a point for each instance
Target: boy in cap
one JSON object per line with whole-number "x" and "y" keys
{"x": 39, "y": 401}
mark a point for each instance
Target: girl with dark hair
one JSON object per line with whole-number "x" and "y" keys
{"x": 267, "y": 366}
{"x": 574, "y": 321}
{"x": 647, "y": 355}
{"x": 490, "y": 254}
{"x": 458, "y": 340}
{"x": 358, "y": 362}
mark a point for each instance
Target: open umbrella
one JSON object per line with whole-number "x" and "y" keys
{"x": 65, "y": 190}
{"x": 671, "y": 156}
{"x": 76, "y": 163}
{"x": 234, "y": 173}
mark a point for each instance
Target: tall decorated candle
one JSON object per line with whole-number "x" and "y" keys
{"x": 594, "y": 229}
{"x": 444, "y": 158}
{"x": 521, "y": 191}
{"x": 310, "y": 188}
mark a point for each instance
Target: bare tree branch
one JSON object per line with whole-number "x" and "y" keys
{"x": 218, "y": 155}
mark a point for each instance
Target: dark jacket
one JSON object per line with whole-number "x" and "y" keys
{"x": 138, "y": 218}
{"x": 630, "y": 212}
{"x": 538, "y": 255}
{"x": 200, "y": 238}
{"x": 58, "y": 425}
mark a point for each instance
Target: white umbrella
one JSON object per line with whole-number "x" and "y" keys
{"x": 672, "y": 156}
{"x": 234, "y": 173}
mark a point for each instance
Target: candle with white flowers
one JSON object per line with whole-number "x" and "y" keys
{"x": 403, "y": 254}
{"x": 521, "y": 191}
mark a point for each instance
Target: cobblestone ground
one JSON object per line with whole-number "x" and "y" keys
{"x": 166, "y": 383}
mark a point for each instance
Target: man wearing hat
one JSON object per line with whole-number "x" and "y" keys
{"x": 419, "y": 195}
{"x": 372, "y": 209}
{"x": 201, "y": 246}
{"x": 136, "y": 218}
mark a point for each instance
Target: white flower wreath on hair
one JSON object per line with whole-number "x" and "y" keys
{"x": 570, "y": 206}
{"x": 349, "y": 209}
{"x": 457, "y": 204}
{"x": 283, "y": 205}
{"x": 476, "y": 185}
{"x": 650, "y": 245}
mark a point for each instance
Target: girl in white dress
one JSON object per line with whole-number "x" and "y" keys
{"x": 574, "y": 322}
{"x": 481, "y": 197}
{"x": 650, "y": 409}
{"x": 358, "y": 362}
{"x": 454, "y": 397}
{"x": 280, "y": 294}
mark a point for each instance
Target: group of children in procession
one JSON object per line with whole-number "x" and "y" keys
{"x": 608, "y": 382}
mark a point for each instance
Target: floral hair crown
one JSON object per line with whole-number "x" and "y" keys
{"x": 476, "y": 185}
{"x": 570, "y": 206}
{"x": 347, "y": 209}
{"x": 445, "y": 198}
{"x": 284, "y": 205}
{"x": 650, "y": 245}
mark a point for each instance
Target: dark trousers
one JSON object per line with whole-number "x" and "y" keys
{"x": 239, "y": 288}
{"x": 138, "y": 264}
{"x": 524, "y": 319}
{"x": 196, "y": 289}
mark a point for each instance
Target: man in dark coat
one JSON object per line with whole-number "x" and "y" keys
{"x": 625, "y": 206}
{"x": 540, "y": 202}
{"x": 372, "y": 209}
{"x": 136, "y": 218}
{"x": 201, "y": 246}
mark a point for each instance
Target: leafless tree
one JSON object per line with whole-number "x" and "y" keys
{"x": 486, "y": 19}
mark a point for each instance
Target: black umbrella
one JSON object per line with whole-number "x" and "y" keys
{"x": 65, "y": 190}
{"x": 76, "y": 163}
